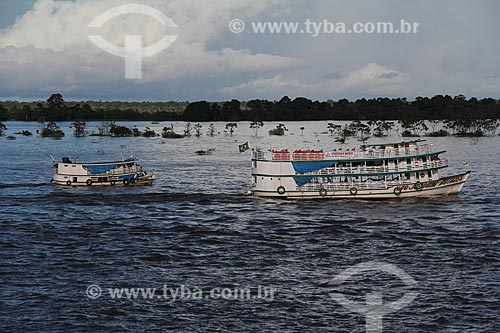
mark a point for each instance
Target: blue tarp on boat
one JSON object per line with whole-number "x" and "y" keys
{"x": 302, "y": 180}
{"x": 303, "y": 167}
{"x": 96, "y": 169}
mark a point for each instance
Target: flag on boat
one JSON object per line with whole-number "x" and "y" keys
{"x": 244, "y": 147}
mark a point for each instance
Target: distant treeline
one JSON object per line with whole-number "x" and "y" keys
{"x": 438, "y": 107}
{"x": 57, "y": 109}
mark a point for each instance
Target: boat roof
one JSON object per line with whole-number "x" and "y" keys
{"x": 104, "y": 163}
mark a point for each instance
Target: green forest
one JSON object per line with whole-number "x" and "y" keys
{"x": 439, "y": 107}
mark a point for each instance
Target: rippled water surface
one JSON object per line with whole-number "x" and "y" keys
{"x": 194, "y": 227}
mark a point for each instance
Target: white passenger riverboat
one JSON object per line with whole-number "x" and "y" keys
{"x": 119, "y": 173}
{"x": 394, "y": 170}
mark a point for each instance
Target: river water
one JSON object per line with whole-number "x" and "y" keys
{"x": 194, "y": 230}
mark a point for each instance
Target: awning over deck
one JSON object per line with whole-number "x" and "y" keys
{"x": 101, "y": 168}
{"x": 303, "y": 167}
{"x": 302, "y": 180}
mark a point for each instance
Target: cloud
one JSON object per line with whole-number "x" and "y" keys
{"x": 333, "y": 76}
{"x": 492, "y": 77}
{"x": 371, "y": 79}
{"x": 47, "y": 49}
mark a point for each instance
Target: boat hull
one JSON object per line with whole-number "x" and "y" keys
{"x": 444, "y": 186}
{"x": 82, "y": 181}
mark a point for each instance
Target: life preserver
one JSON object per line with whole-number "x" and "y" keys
{"x": 323, "y": 192}
{"x": 353, "y": 191}
{"x": 68, "y": 183}
{"x": 126, "y": 182}
{"x": 281, "y": 190}
{"x": 132, "y": 180}
{"x": 418, "y": 185}
{"x": 397, "y": 190}
{"x": 89, "y": 182}
{"x": 112, "y": 182}
{"x": 422, "y": 175}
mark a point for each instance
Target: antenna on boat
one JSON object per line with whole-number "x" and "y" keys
{"x": 121, "y": 151}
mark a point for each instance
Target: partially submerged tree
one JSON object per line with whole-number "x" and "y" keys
{"x": 212, "y": 131}
{"x": 148, "y": 133}
{"x": 52, "y": 130}
{"x": 363, "y": 132}
{"x": 3, "y": 128}
{"x": 279, "y": 130}
{"x": 104, "y": 129}
{"x": 230, "y": 127}
{"x": 333, "y": 128}
{"x": 381, "y": 128}
{"x": 197, "y": 130}
{"x": 255, "y": 126}
{"x": 118, "y": 130}
{"x": 168, "y": 133}
{"x": 187, "y": 130}
{"x": 433, "y": 123}
{"x": 472, "y": 127}
{"x": 413, "y": 128}
{"x": 78, "y": 128}
{"x": 135, "y": 131}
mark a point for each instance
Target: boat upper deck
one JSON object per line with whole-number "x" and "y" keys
{"x": 368, "y": 152}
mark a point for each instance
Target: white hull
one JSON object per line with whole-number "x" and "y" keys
{"x": 444, "y": 186}
{"x": 143, "y": 181}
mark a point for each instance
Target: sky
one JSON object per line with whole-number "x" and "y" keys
{"x": 45, "y": 48}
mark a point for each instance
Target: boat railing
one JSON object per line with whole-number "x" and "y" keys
{"x": 340, "y": 154}
{"x": 335, "y": 170}
{"x": 347, "y": 186}
{"x": 124, "y": 170}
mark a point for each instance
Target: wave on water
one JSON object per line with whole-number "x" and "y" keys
{"x": 20, "y": 185}
{"x": 121, "y": 198}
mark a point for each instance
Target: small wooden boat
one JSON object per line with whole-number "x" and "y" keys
{"x": 119, "y": 173}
